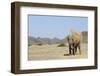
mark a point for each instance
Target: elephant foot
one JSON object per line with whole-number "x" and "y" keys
{"x": 73, "y": 53}
{"x": 67, "y": 54}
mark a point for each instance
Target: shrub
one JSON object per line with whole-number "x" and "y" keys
{"x": 40, "y": 44}
{"x": 29, "y": 44}
{"x": 61, "y": 45}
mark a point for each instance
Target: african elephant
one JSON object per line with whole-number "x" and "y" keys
{"x": 74, "y": 41}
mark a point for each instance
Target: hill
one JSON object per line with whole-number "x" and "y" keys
{"x": 39, "y": 40}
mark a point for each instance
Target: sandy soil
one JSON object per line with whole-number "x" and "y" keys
{"x": 48, "y": 52}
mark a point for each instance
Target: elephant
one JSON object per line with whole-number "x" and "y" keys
{"x": 74, "y": 41}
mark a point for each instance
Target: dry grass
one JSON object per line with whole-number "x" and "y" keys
{"x": 48, "y": 52}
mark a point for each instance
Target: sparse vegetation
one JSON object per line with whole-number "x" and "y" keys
{"x": 40, "y": 44}
{"x": 61, "y": 45}
{"x": 29, "y": 44}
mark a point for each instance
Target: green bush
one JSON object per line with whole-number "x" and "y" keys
{"x": 61, "y": 45}
{"x": 40, "y": 44}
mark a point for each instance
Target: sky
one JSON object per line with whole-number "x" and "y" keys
{"x": 55, "y": 26}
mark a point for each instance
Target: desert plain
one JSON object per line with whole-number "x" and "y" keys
{"x": 50, "y": 52}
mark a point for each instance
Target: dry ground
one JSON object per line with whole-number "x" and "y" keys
{"x": 47, "y": 52}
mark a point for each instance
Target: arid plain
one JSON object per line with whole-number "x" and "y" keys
{"x": 49, "y": 52}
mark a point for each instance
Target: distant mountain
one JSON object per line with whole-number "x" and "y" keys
{"x": 32, "y": 40}
{"x": 39, "y": 40}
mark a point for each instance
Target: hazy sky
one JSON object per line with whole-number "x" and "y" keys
{"x": 55, "y": 26}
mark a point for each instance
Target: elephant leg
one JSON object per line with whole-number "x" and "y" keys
{"x": 79, "y": 49}
{"x": 76, "y": 47}
{"x": 73, "y": 51}
{"x": 69, "y": 49}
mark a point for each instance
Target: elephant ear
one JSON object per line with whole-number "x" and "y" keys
{"x": 76, "y": 36}
{"x": 69, "y": 38}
